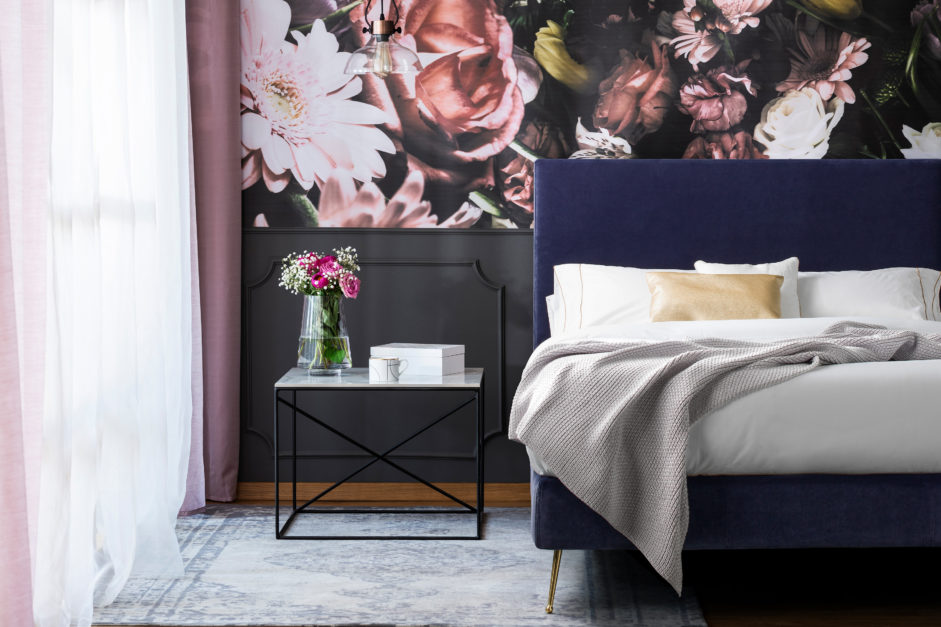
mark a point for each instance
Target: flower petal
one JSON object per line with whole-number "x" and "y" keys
{"x": 255, "y": 131}
{"x": 251, "y": 169}
{"x": 275, "y": 182}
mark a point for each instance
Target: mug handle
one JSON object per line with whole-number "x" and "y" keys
{"x": 403, "y": 364}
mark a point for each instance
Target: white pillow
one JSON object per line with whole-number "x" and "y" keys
{"x": 553, "y": 309}
{"x": 887, "y": 293}
{"x": 593, "y": 295}
{"x": 930, "y": 288}
{"x": 790, "y": 302}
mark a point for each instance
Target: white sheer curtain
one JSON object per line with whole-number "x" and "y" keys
{"x": 119, "y": 343}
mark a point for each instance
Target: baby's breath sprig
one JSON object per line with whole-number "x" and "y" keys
{"x": 313, "y": 273}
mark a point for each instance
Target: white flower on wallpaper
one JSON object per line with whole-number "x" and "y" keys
{"x": 798, "y": 124}
{"x": 298, "y": 116}
{"x": 926, "y": 144}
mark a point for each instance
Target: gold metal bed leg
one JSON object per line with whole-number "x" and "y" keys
{"x": 556, "y": 559}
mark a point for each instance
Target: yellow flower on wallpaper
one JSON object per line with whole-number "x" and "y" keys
{"x": 551, "y": 54}
{"x": 841, "y": 9}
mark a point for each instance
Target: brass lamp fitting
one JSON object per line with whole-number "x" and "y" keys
{"x": 382, "y": 27}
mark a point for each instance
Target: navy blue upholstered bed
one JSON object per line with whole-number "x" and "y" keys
{"x": 833, "y": 215}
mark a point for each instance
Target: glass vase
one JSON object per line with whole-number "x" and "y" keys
{"x": 324, "y": 345}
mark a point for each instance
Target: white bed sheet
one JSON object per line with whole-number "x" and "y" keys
{"x": 846, "y": 419}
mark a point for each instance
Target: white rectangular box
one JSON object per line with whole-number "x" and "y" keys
{"x": 424, "y": 360}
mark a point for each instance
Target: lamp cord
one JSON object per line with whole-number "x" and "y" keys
{"x": 382, "y": 15}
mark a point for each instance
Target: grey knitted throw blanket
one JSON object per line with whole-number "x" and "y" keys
{"x": 611, "y": 417}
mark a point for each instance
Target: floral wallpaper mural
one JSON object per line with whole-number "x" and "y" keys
{"x": 506, "y": 82}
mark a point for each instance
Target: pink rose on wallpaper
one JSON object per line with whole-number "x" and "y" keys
{"x": 716, "y": 100}
{"x": 465, "y": 106}
{"x": 635, "y": 96}
{"x": 343, "y": 205}
{"x": 516, "y": 177}
{"x": 823, "y": 62}
{"x": 298, "y": 116}
{"x": 349, "y": 285}
{"x": 723, "y": 146}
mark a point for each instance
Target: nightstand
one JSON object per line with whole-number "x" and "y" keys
{"x": 356, "y": 380}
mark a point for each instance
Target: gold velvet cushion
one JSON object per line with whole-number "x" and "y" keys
{"x": 682, "y": 296}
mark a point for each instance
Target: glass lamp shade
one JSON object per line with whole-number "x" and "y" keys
{"x": 383, "y": 57}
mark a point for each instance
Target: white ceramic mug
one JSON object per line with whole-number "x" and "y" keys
{"x": 386, "y": 369}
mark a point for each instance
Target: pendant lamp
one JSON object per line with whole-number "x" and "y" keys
{"x": 381, "y": 56}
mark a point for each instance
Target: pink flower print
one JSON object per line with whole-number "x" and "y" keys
{"x": 342, "y": 204}
{"x": 824, "y": 63}
{"x": 716, "y": 100}
{"x": 698, "y": 46}
{"x": 636, "y": 95}
{"x": 702, "y": 26}
{"x": 723, "y": 146}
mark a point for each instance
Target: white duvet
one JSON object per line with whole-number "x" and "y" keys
{"x": 858, "y": 418}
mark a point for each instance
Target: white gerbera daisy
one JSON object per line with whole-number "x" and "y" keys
{"x": 297, "y": 114}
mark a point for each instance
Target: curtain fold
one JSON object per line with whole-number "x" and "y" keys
{"x": 213, "y": 44}
{"x": 15, "y": 587}
{"x": 119, "y": 359}
{"x": 24, "y": 147}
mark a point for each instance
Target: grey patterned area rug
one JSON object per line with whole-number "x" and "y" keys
{"x": 237, "y": 573}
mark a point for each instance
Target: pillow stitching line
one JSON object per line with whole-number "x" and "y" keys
{"x": 924, "y": 302}
{"x": 936, "y": 290}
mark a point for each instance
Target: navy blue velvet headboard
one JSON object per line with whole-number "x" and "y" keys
{"x": 833, "y": 214}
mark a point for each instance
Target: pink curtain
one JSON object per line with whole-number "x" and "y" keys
{"x": 213, "y": 45}
{"x": 25, "y": 73}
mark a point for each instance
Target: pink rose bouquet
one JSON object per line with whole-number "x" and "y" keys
{"x": 316, "y": 273}
{"x": 324, "y": 280}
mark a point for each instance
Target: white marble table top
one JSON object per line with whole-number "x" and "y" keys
{"x": 352, "y": 378}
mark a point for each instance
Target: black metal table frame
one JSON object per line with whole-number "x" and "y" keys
{"x": 281, "y": 532}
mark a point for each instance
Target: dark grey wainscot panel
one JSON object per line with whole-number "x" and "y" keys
{"x": 419, "y": 285}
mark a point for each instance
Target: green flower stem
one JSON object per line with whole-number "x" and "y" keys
{"x": 332, "y": 16}
{"x": 486, "y": 203}
{"x": 727, "y": 46}
{"x": 323, "y": 338}
{"x": 879, "y": 117}
{"x": 911, "y": 63}
{"x": 304, "y": 208}
{"x": 523, "y": 151}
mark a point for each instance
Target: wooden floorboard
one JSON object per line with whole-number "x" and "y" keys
{"x": 381, "y": 494}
